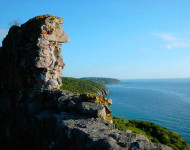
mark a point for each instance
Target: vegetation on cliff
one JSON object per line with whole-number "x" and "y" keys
{"x": 153, "y": 132}
{"x": 83, "y": 86}
{"x": 102, "y": 80}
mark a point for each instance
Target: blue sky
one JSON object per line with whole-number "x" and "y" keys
{"x": 125, "y": 39}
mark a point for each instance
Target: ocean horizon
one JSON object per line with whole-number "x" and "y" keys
{"x": 165, "y": 102}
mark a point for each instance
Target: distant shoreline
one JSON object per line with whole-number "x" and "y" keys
{"x": 102, "y": 80}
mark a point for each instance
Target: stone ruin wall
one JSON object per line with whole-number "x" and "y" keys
{"x": 30, "y": 55}
{"x": 51, "y": 38}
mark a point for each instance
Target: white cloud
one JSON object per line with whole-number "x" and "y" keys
{"x": 177, "y": 44}
{"x": 173, "y": 42}
{"x": 3, "y": 33}
{"x": 167, "y": 37}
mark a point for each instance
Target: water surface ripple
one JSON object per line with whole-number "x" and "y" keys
{"x": 163, "y": 101}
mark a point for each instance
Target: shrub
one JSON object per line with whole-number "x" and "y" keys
{"x": 153, "y": 132}
{"x": 82, "y": 86}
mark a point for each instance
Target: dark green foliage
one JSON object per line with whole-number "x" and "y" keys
{"x": 153, "y": 132}
{"x": 102, "y": 80}
{"x": 82, "y": 86}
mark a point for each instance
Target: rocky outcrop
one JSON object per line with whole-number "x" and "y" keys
{"x": 103, "y": 92}
{"x": 32, "y": 54}
{"x": 35, "y": 114}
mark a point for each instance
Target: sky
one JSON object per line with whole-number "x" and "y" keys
{"x": 124, "y": 39}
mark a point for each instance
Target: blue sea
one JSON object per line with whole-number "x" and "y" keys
{"x": 163, "y": 101}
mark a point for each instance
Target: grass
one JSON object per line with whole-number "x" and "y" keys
{"x": 153, "y": 132}
{"x": 82, "y": 86}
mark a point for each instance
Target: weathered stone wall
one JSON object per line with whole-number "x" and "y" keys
{"x": 30, "y": 57}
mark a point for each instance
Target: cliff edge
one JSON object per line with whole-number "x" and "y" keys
{"x": 35, "y": 113}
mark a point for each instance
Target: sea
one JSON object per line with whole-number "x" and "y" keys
{"x": 165, "y": 102}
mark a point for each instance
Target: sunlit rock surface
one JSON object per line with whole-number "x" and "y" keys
{"x": 32, "y": 54}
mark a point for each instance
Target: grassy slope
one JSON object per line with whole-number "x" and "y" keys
{"x": 153, "y": 132}
{"x": 102, "y": 80}
{"x": 81, "y": 86}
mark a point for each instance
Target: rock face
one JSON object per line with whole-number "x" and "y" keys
{"x": 32, "y": 53}
{"x": 104, "y": 92}
{"x": 35, "y": 114}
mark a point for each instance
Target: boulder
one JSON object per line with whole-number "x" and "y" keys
{"x": 52, "y": 84}
{"x": 92, "y": 109}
